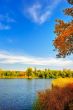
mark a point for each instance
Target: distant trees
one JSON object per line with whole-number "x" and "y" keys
{"x": 29, "y": 72}
{"x": 64, "y": 34}
{"x": 34, "y": 73}
{"x": 46, "y": 73}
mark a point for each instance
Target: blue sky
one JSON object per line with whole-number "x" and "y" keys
{"x": 26, "y": 34}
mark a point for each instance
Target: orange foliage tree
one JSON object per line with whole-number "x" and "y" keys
{"x": 64, "y": 34}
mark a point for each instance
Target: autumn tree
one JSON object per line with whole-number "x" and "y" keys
{"x": 64, "y": 34}
{"x": 70, "y": 1}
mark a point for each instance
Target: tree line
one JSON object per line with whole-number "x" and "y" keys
{"x": 34, "y": 73}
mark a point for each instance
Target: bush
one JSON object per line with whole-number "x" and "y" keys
{"x": 56, "y": 98}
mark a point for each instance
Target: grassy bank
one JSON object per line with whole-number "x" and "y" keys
{"x": 59, "y": 97}
{"x": 62, "y": 82}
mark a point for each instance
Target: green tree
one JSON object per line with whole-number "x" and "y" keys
{"x": 29, "y": 72}
{"x": 46, "y": 73}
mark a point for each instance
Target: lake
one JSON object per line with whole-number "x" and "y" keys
{"x": 19, "y": 94}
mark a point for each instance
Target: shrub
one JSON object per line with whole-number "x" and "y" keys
{"x": 56, "y": 98}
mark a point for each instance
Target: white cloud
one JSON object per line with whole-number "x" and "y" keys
{"x": 35, "y": 13}
{"x": 39, "y": 13}
{"x": 6, "y": 58}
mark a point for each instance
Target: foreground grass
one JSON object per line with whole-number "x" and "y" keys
{"x": 59, "y": 97}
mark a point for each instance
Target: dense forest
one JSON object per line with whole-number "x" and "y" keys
{"x": 34, "y": 73}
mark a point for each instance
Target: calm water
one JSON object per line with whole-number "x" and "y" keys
{"x": 19, "y": 94}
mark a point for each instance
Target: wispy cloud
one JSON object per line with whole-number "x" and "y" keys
{"x": 4, "y": 26}
{"x": 10, "y": 40}
{"x": 5, "y": 22}
{"x": 39, "y": 13}
{"x": 35, "y": 13}
{"x": 6, "y": 17}
{"x": 6, "y": 58}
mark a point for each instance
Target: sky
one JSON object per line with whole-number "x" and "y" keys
{"x": 27, "y": 34}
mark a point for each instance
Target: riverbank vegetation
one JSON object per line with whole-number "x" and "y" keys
{"x": 62, "y": 82}
{"x": 57, "y": 98}
{"x": 34, "y": 73}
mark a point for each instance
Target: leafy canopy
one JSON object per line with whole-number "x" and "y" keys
{"x": 64, "y": 34}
